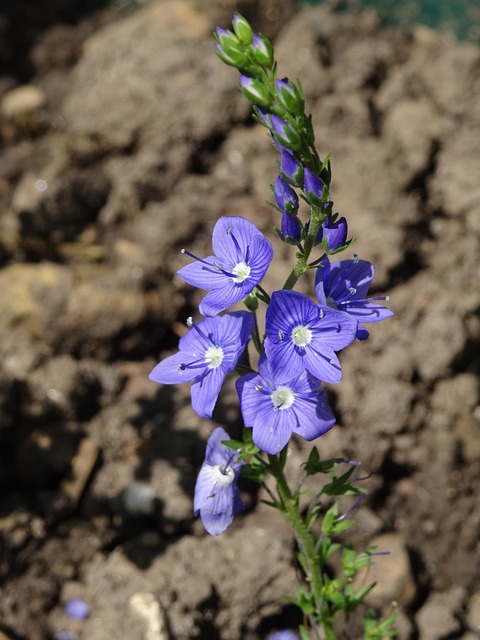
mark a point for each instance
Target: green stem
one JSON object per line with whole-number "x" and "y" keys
{"x": 306, "y": 543}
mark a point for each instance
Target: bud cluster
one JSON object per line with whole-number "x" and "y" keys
{"x": 279, "y": 106}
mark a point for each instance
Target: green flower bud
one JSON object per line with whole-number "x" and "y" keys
{"x": 262, "y": 50}
{"x": 255, "y": 91}
{"x": 242, "y": 29}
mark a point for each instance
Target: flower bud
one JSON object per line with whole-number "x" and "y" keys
{"x": 291, "y": 169}
{"x": 332, "y": 234}
{"x": 255, "y": 91}
{"x": 284, "y": 134}
{"x": 313, "y": 187}
{"x": 242, "y": 28}
{"x": 231, "y": 55}
{"x": 290, "y": 227}
{"x": 285, "y": 196}
{"x": 289, "y": 96}
{"x": 262, "y": 50}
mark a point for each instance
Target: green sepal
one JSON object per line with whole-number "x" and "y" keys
{"x": 339, "y": 486}
{"x": 303, "y": 600}
{"x": 255, "y": 470}
{"x": 375, "y": 629}
{"x": 329, "y": 519}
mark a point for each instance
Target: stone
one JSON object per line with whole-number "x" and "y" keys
{"x": 392, "y": 573}
{"x": 22, "y": 101}
{"x": 438, "y": 616}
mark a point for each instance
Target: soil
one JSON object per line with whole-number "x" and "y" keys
{"x": 123, "y": 139}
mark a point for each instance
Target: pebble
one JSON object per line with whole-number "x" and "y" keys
{"x": 473, "y": 613}
{"x": 139, "y": 499}
{"x": 22, "y": 100}
{"x": 391, "y": 572}
{"x": 438, "y": 616}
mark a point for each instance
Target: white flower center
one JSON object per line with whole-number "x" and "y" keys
{"x": 223, "y": 475}
{"x": 282, "y": 398}
{"x": 301, "y": 336}
{"x": 214, "y": 357}
{"x": 242, "y": 271}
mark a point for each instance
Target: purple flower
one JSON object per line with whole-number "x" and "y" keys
{"x": 217, "y": 498}
{"x": 207, "y": 352}
{"x": 290, "y": 227}
{"x": 335, "y": 233}
{"x": 290, "y": 168}
{"x": 275, "y": 407}
{"x": 344, "y": 285}
{"x": 313, "y": 187}
{"x": 77, "y": 609}
{"x": 285, "y": 634}
{"x": 242, "y": 256}
{"x": 301, "y": 335}
{"x": 285, "y": 196}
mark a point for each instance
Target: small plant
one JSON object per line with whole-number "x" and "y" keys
{"x": 283, "y": 394}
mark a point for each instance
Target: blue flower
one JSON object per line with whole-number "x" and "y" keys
{"x": 77, "y": 609}
{"x": 275, "y": 407}
{"x": 335, "y": 233}
{"x": 344, "y": 285}
{"x": 216, "y": 498}
{"x": 207, "y": 352}
{"x": 242, "y": 257}
{"x": 302, "y": 335}
{"x": 285, "y": 634}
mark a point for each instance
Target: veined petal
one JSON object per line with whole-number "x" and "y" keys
{"x": 323, "y": 364}
{"x": 314, "y": 417}
{"x": 347, "y": 274}
{"x": 337, "y": 329}
{"x": 226, "y": 229}
{"x": 261, "y": 255}
{"x": 201, "y": 275}
{"x": 272, "y": 436}
{"x": 287, "y": 310}
{"x": 168, "y": 371}
{"x": 284, "y": 357}
{"x": 218, "y": 510}
{"x": 205, "y": 391}
{"x": 217, "y": 300}
{"x": 366, "y": 311}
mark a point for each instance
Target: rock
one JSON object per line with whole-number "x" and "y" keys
{"x": 22, "y": 101}
{"x": 438, "y": 616}
{"x": 473, "y": 612}
{"x": 391, "y": 572}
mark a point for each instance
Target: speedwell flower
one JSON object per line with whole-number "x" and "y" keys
{"x": 217, "y": 498}
{"x": 207, "y": 352}
{"x": 344, "y": 285}
{"x": 302, "y": 335}
{"x": 276, "y": 407}
{"x": 242, "y": 257}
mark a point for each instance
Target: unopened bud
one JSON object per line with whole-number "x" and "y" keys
{"x": 242, "y": 28}
{"x": 255, "y": 91}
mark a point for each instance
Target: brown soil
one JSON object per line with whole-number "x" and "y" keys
{"x": 128, "y": 144}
